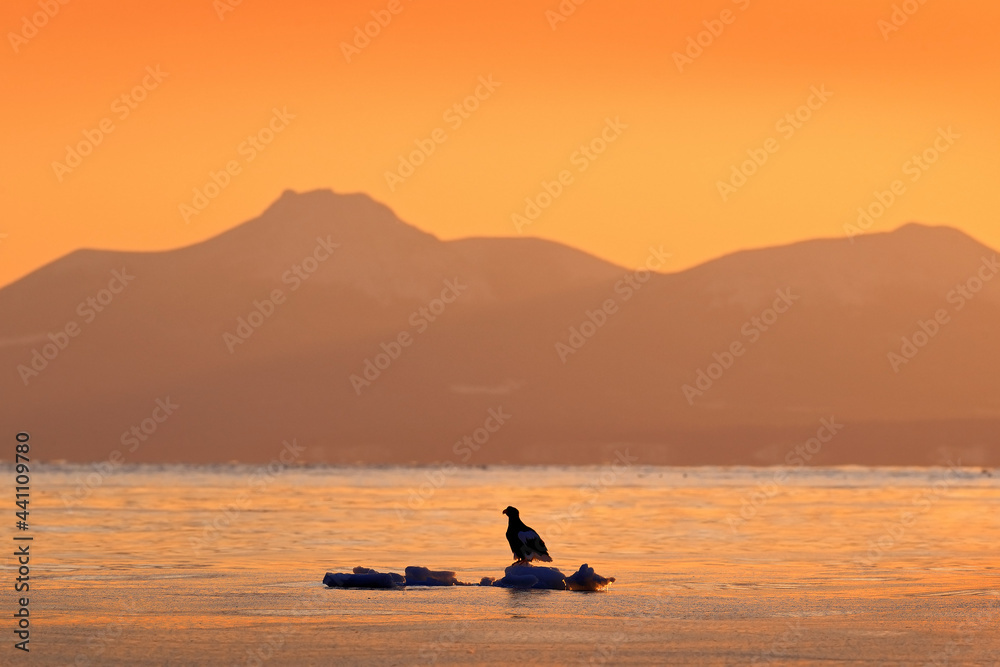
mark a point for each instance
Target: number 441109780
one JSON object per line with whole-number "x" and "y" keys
{"x": 22, "y": 489}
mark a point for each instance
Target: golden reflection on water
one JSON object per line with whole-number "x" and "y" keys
{"x": 196, "y": 565}
{"x": 707, "y": 525}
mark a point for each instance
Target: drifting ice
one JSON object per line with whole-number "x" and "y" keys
{"x": 421, "y": 576}
{"x": 515, "y": 576}
{"x": 364, "y": 577}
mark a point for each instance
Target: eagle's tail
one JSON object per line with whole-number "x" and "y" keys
{"x": 543, "y": 557}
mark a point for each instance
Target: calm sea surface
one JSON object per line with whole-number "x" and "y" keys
{"x": 153, "y": 565}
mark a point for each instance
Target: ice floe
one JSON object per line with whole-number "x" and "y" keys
{"x": 515, "y": 576}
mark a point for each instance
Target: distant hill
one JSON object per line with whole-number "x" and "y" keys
{"x": 353, "y": 279}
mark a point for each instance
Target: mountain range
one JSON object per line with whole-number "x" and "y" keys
{"x": 330, "y": 323}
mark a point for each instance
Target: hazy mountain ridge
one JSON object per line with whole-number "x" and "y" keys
{"x": 496, "y": 344}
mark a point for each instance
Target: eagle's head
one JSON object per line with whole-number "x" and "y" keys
{"x": 511, "y": 512}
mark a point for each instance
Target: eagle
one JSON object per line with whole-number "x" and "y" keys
{"x": 524, "y": 542}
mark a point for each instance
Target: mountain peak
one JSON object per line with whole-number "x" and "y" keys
{"x": 349, "y": 216}
{"x": 922, "y": 228}
{"x": 932, "y": 241}
{"x": 326, "y": 200}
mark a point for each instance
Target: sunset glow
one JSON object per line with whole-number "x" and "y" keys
{"x": 353, "y": 112}
{"x": 402, "y": 332}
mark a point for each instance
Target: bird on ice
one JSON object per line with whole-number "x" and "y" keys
{"x": 524, "y": 542}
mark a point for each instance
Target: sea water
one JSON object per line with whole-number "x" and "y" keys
{"x": 155, "y": 565}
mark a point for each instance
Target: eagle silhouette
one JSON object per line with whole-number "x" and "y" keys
{"x": 525, "y": 543}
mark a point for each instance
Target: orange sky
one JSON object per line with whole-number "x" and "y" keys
{"x": 656, "y": 183}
